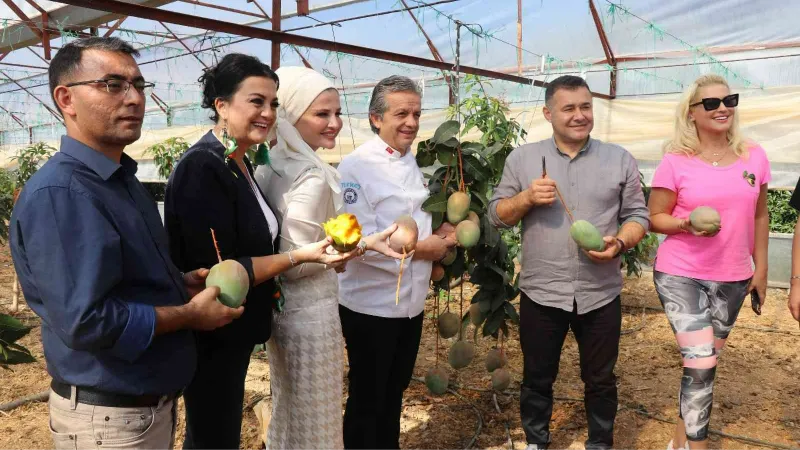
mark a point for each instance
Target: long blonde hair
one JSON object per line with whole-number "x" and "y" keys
{"x": 685, "y": 138}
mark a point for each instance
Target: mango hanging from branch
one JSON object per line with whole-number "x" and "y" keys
{"x": 457, "y": 207}
{"x": 345, "y": 231}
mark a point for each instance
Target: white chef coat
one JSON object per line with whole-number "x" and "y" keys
{"x": 379, "y": 185}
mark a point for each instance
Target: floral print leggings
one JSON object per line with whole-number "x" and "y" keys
{"x": 701, "y": 314}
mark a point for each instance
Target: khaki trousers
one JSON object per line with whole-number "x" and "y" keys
{"x": 76, "y": 425}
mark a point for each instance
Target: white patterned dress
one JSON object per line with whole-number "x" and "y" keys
{"x": 306, "y": 350}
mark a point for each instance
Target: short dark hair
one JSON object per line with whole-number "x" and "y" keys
{"x": 223, "y": 79}
{"x": 395, "y": 83}
{"x": 569, "y": 82}
{"x": 68, "y": 57}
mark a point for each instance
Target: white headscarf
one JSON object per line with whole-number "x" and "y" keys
{"x": 299, "y": 86}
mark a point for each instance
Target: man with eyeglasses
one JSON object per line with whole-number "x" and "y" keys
{"x": 93, "y": 261}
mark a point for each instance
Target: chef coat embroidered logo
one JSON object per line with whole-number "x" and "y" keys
{"x": 350, "y": 196}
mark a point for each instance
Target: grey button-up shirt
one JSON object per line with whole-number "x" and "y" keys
{"x": 601, "y": 185}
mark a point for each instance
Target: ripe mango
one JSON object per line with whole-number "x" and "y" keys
{"x": 406, "y": 235}
{"x": 495, "y": 359}
{"x": 461, "y": 354}
{"x": 437, "y": 272}
{"x": 467, "y": 233}
{"x": 232, "y": 280}
{"x": 501, "y": 379}
{"x": 586, "y": 236}
{"x": 705, "y": 218}
{"x": 450, "y": 257}
{"x": 473, "y": 216}
{"x": 457, "y": 207}
{"x": 436, "y": 380}
{"x": 448, "y": 325}
{"x": 345, "y": 231}
{"x": 475, "y": 314}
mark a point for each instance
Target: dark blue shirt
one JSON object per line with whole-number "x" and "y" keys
{"x": 93, "y": 262}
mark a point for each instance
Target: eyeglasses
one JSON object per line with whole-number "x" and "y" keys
{"x": 117, "y": 87}
{"x": 710, "y": 104}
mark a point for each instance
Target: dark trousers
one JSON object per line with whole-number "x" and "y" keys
{"x": 381, "y": 353}
{"x": 214, "y": 397}
{"x": 542, "y": 333}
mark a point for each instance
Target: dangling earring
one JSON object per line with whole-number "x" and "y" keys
{"x": 227, "y": 140}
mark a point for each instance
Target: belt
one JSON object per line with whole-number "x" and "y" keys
{"x": 96, "y": 397}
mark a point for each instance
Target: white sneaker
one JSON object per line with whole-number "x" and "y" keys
{"x": 685, "y": 446}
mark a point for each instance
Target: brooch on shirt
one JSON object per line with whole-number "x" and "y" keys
{"x": 750, "y": 178}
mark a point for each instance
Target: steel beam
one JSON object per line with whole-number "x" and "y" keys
{"x": 52, "y": 111}
{"x": 302, "y": 58}
{"x": 129, "y": 9}
{"x": 276, "y": 26}
{"x": 184, "y": 45}
{"x": 435, "y": 52}
{"x": 302, "y": 7}
{"x": 222, "y": 8}
{"x": 27, "y": 21}
{"x": 114, "y": 27}
{"x": 606, "y": 48}
{"x": 14, "y": 116}
{"x": 262, "y": 9}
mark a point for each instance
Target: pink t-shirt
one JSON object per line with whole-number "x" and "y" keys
{"x": 733, "y": 192}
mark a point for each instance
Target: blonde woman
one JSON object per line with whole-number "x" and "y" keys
{"x": 306, "y": 352}
{"x": 702, "y": 278}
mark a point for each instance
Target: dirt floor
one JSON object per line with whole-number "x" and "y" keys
{"x": 757, "y": 393}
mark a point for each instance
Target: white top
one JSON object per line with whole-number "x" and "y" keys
{"x": 303, "y": 199}
{"x": 378, "y": 186}
{"x": 268, "y": 214}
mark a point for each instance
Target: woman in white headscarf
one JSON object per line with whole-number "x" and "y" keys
{"x": 306, "y": 353}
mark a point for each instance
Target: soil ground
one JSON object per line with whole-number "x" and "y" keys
{"x": 757, "y": 392}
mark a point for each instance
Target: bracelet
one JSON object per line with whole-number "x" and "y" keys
{"x": 621, "y": 246}
{"x": 793, "y": 277}
{"x": 291, "y": 260}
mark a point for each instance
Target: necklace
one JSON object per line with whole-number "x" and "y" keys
{"x": 715, "y": 163}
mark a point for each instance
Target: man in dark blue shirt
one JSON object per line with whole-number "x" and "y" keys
{"x": 93, "y": 262}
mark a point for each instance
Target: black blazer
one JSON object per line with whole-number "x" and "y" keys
{"x": 207, "y": 190}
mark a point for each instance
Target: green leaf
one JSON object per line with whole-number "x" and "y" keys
{"x": 469, "y": 148}
{"x": 451, "y": 143}
{"x": 485, "y": 276}
{"x": 13, "y": 356}
{"x": 489, "y": 232}
{"x": 494, "y": 322}
{"x": 497, "y": 302}
{"x": 447, "y": 157}
{"x": 12, "y": 329}
{"x": 459, "y": 265}
{"x": 435, "y": 203}
{"x": 445, "y": 131}
{"x": 476, "y": 195}
{"x": 511, "y": 313}
{"x": 436, "y": 220}
{"x": 488, "y": 152}
{"x": 425, "y": 158}
{"x": 473, "y": 167}
{"x": 491, "y": 265}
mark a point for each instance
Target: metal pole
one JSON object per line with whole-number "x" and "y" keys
{"x": 276, "y": 26}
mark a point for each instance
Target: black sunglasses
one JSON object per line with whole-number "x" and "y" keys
{"x": 710, "y": 104}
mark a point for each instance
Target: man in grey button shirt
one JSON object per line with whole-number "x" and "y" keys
{"x": 562, "y": 285}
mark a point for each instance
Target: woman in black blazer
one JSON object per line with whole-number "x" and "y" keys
{"x": 212, "y": 187}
